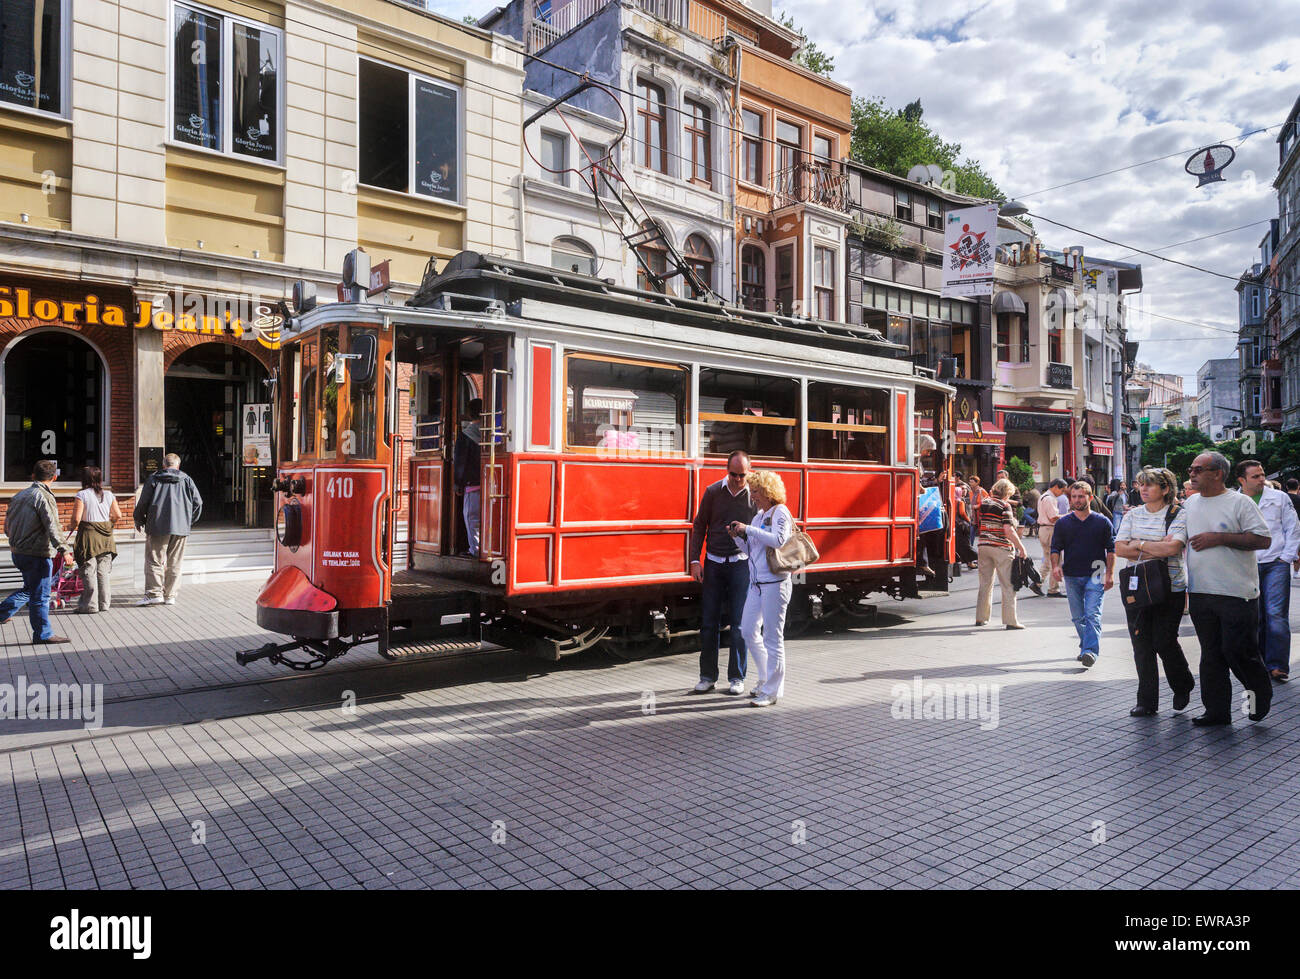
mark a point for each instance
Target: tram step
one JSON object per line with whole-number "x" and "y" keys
{"x": 432, "y": 647}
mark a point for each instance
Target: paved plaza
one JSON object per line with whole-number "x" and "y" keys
{"x": 498, "y": 771}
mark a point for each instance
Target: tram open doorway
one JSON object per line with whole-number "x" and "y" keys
{"x": 457, "y": 405}
{"x": 207, "y": 391}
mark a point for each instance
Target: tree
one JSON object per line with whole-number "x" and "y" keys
{"x": 895, "y": 140}
{"x": 1166, "y": 440}
{"x": 1021, "y": 474}
{"x": 809, "y": 55}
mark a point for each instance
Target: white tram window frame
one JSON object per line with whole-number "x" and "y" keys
{"x": 793, "y": 421}
{"x": 885, "y": 431}
{"x": 684, "y": 406}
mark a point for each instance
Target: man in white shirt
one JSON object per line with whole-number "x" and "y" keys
{"x": 1274, "y": 567}
{"x": 1224, "y": 529}
{"x": 1049, "y": 511}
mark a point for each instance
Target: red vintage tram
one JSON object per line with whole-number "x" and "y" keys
{"x": 606, "y": 413}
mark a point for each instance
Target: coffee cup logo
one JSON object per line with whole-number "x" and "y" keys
{"x": 24, "y": 79}
{"x": 197, "y": 122}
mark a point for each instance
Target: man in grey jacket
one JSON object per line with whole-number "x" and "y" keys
{"x": 168, "y": 507}
{"x": 35, "y": 536}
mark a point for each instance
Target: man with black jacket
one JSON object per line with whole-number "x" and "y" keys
{"x": 724, "y": 572}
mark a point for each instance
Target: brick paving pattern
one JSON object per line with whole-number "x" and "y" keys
{"x": 583, "y": 787}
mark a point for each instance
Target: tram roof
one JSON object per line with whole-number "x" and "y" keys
{"x": 488, "y": 277}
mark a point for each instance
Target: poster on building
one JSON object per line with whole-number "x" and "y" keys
{"x": 969, "y": 241}
{"x": 255, "y": 430}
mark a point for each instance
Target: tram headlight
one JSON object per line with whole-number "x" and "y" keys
{"x": 288, "y": 526}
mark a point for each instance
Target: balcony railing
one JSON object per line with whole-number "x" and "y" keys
{"x": 552, "y": 23}
{"x": 810, "y": 183}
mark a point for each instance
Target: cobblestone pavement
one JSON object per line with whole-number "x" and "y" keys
{"x": 590, "y": 774}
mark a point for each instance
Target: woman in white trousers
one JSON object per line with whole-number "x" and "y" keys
{"x": 763, "y": 623}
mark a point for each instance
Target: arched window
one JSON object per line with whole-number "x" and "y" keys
{"x": 699, "y": 256}
{"x": 54, "y": 405}
{"x": 655, "y": 257}
{"x": 573, "y": 255}
{"x": 753, "y": 278}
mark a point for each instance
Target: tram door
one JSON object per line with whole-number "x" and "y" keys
{"x": 496, "y": 378}
{"x": 430, "y": 476}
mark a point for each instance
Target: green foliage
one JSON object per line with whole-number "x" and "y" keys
{"x": 1167, "y": 440}
{"x": 809, "y": 56}
{"x": 1181, "y": 457}
{"x": 895, "y": 140}
{"x": 1021, "y": 473}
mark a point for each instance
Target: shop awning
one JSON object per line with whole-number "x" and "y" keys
{"x": 1101, "y": 447}
{"x": 1008, "y": 302}
{"x": 989, "y": 434}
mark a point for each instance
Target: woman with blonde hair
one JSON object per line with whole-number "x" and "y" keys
{"x": 1154, "y": 532}
{"x": 763, "y": 624}
{"x": 999, "y": 545}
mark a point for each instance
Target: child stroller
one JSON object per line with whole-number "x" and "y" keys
{"x": 65, "y": 583}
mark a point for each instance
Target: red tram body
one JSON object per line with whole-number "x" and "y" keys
{"x": 606, "y": 414}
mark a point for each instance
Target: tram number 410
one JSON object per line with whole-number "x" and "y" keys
{"x": 339, "y": 487}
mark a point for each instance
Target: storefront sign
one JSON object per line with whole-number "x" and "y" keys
{"x": 1033, "y": 421}
{"x": 151, "y": 460}
{"x": 73, "y": 304}
{"x": 1100, "y": 423}
{"x": 1063, "y": 274}
{"x": 255, "y": 430}
{"x": 1060, "y": 376}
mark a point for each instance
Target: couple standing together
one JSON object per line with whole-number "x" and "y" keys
{"x": 739, "y": 518}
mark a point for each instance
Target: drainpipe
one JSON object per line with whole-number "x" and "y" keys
{"x": 523, "y": 237}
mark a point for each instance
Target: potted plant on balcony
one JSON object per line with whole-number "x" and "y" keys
{"x": 883, "y": 232}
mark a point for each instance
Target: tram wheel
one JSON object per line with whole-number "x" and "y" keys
{"x": 624, "y": 650}
{"x": 850, "y": 603}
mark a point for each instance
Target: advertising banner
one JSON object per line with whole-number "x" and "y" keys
{"x": 969, "y": 241}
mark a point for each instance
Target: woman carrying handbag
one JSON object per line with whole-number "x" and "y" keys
{"x": 1153, "y": 588}
{"x": 763, "y": 623}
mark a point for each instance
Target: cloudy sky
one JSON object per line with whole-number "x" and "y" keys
{"x": 1044, "y": 93}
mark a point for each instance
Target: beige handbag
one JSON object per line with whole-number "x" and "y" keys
{"x": 794, "y": 555}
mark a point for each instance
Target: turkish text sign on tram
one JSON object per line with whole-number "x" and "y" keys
{"x": 970, "y": 240}
{"x": 255, "y": 429}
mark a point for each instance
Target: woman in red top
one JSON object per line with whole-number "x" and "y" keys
{"x": 999, "y": 545}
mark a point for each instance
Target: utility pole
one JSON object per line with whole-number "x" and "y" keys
{"x": 1117, "y": 413}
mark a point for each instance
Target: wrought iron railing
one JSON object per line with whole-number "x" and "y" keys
{"x": 810, "y": 183}
{"x": 550, "y": 23}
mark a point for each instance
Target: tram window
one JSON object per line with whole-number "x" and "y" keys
{"x": 307, "y": 402}
{"x": 363, "y": 416}
{"x": 329, "y": 391}
{"x": 755, "y": 412}
{"x": 625, "y": 406}
{"x": 847, "y": 423}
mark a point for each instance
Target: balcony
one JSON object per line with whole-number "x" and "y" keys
{"x": 810, "y": 183}
{"x": 554, "y": 20}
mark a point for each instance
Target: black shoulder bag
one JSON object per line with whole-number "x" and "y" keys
{"x": 1147, "y": 583}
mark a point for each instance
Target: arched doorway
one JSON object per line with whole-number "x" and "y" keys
{"x": 55, "y": 394}
{"x": 206, "y": 389}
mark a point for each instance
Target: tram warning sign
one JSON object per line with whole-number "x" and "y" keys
{"x": 255, "y": 430}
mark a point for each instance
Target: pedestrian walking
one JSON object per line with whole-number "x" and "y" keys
{"x": 467, "y": 471}
{"x": 1293, "y": 491}
{"x": 999, "y": 546}
{"x": 1156, "y": 534}
{"x": 35, "y": 542}
{"x": 1224, "y": 529}
{"x": 978, "y": 494}
{"x": 1049, "y": 512}
{"x": 166, "y": 511}
{"x": 1274, "y": 563}
{"x": 1095, "y": 503}
{"x": 1117, "y": 502}
{"x": 95, "y": 511}
{"x": 724, "y": 572}
{"x": 1083, "y": 556}
{"x": 768, "y": 597}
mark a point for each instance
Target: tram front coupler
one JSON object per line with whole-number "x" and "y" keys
{"x": 322, "y": 651}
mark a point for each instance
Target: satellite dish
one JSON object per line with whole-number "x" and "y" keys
{"x": 919, "y": 174}
{"x": 1207, "y": 164}
{"x": 936, "y": 173}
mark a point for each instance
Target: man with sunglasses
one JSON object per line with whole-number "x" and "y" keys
{"x": 724, "y": 572}
{"x": 1224, "y": 530}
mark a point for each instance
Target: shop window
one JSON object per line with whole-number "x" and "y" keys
{"x": 652, "y": 129}
{"x": 699, "y": 129}
{"x": 53, "y": 405}
{"x": 226, "y": 83}
{"x": 755, "y": 412}
{"x": 751, "y": 146}
{"x": 555, "y": 158}
{"x": 699, "y": 256}
{"x": 573, "y": 255}
{"x": 900, "y": 331}
{"x": 32, "y": 67}
{"x": 409, "y": 133}
{"x": 921, "y": 342}
{"x": 847, "y": 423}
{"x": 753, "y": 277}
{"x": 623, "y": 406}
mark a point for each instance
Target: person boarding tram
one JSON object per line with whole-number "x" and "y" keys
{"x": 467, "y": 463}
